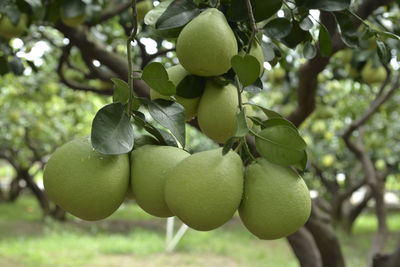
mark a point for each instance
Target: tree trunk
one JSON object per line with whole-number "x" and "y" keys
{"x": 352, "y": 214}
{"x": 305, "y": 249}
{"x": 380, "y": 237}
{"x": 391, "y": 260}
{"x": 15, "y": 189}
{"x": 326, "y": 240}
{"x": 37, "y": 192}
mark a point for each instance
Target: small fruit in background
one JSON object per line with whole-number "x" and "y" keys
{"x": 328, "y": 160}
{"x": 142, "y": 8}
{"x": 9, "y": 30}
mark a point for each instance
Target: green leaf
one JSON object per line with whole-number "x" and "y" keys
{"x": 389, "y": 35}
{"x": 327, "y": 5}
{"x": 263, "y": 9}
{"x": 153, "y": 15}
{"x": 228, "y": 145}
{"x": 324, "y": 40}
{"x": 280, "y": 145}
{"x": 121, "y": 91}
{"x": 171, "y": 115}
{"x": 247, "y": 68}
{"x": 296, "y": 36}
{"x": 10, "y": 9}
{"x": 112, "y": 132}
{"x": 306, "y": 24}
{"x": 241, "y": 126}
{"x": 279, "y": 121}
{"x": 15, "y": 65}
{"x": 302, "y": 164}
{"x": 177, "y": 14}
{"x": 278, "y": 28}
{"x": 269, "y": 113}
{"x": 237, "y": 10}
{"x": 256, "y": 87}
{"x": 309, "y": 50}
{"x": 268, "y": 51}
{"x": 155, "y": 75}
{"x": 347, "y": 29}
{"x": 163, "y": 137}
{"x": 73, "y": 8}
{"x": 383, "y": 53}
{"x": 191, "y": 86}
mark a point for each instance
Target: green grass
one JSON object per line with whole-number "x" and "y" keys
{"x": 132, "y": 237}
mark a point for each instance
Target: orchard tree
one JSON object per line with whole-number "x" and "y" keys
{"x": 308, "y": 48}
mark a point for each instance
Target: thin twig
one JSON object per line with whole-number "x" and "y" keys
{"x": 128, "y": 48}
{"x": 253, "y": 25}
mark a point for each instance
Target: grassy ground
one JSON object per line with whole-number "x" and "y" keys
{"x": 132, "y": 238}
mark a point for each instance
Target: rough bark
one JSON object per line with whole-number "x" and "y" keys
{"x": 388, "y": 260}
{"x": 326, "y": 240}
{"x": 305, "y": 249}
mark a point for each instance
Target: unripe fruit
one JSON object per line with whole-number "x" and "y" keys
{"x": 206, "y": 45}
{"x": 149, "y": 168}
{"x": 204, "y": 190}
{"x": 73, "y": 21}
{"x": 217, "y": 111}
{"x": 371, "y": 75}
{"x": 176, "y": 74}
{"x": 84, "y": 182}
{"x": 142, "y": 8}
{"x": 276, "y": 201}
{"x": 9, "y": 30}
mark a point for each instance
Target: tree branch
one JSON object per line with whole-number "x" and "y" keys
{"x": 308, "y": 73}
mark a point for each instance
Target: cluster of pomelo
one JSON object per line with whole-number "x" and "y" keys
{"x": 204, "y": 48}
{"x": 205, "y": 189}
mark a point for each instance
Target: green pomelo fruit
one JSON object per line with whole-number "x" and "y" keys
{"x": 142, "y": 8}
{"x": 256, "y": 51}
{"x": 206, "y": 44}
{"x": 9, "y": 30}
{"x": 149, "y": 168}
{"x": 204, "y": 190}
{"x": 84, "y": 182}
{"x": 371, "y": 75}
{"x": 217, "y": 111}
{"x": 276, "y": 201}
{"x": 74, "y": 21}
{"x": 176, "y": 74}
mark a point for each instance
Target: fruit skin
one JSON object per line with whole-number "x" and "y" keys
{"x": 142, "y": 8}
{"x": 217, "y": 111}
{"x": 204, "y": 190}
{"x": 206, "y": 45}
{"x": 149, "y": 168}
{"x": 276, "y": 201}
{"x": 371, "y": 75}
{"x": 176, "y": 74}
{"x": 9, "y": 30}
{"x": 84, "y": 182}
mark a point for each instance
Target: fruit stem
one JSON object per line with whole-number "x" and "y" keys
{"x": 247, "y": 149}
{"x": 254, "y": 28}
{"x": 240, "y": 104}
{"x": 128, "y": 49}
